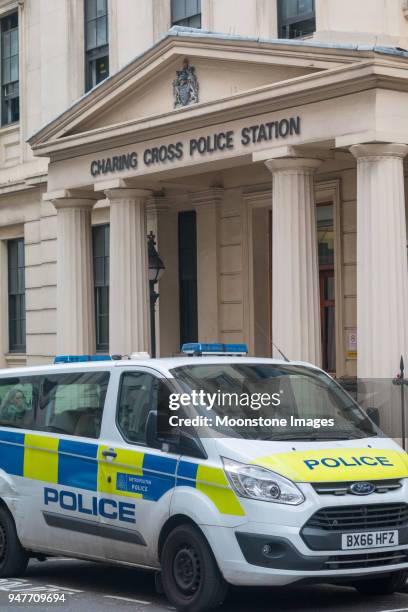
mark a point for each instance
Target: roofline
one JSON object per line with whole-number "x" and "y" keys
{"x": 179, "y": 32}
{"x": 320, "y": 85}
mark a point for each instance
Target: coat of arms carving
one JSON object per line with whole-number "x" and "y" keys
{"x": 185, "y": 86}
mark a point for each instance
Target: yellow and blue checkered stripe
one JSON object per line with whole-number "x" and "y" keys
{"x": 82, "y": 465}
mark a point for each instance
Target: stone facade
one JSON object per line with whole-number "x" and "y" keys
{"x": 257, "y": 272}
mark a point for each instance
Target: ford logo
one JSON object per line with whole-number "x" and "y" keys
{"x": 362, "y": 488}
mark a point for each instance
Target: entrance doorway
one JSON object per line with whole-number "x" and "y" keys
{"x": 261, "y": 222}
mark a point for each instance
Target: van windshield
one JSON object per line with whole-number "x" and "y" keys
{"x": 269, "y": 402}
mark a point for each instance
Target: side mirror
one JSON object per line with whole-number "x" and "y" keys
{"x": 191, "y": 446}
{"x": 374, "y": 415}
{"x": 154, "y": 437}
{"x": 185, "y": 444}
{"x": 151, "y": 430}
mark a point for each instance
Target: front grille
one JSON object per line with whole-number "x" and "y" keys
{"x": 360, "y": 518}
{"x": 371, "y": 559}
{"x": 343, "y": 488}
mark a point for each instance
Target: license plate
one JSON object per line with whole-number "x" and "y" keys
{"x": 369, "y": 539}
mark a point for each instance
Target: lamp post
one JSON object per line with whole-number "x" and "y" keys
{"x": 156, "y": 269}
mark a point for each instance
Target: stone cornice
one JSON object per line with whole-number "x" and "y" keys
{"x": 208, "y": 197}
{"x": 299, "y": 91}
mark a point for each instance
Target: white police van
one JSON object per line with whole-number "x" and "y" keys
{"x": 91, "y": 467}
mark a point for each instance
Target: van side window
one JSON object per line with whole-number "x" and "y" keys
{"x": 73, "y": 403}
{"x": 18, "y": 401}
{"x": 140, "y": 392}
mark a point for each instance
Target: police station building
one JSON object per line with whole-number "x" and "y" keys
{"x": 260, "y": 143}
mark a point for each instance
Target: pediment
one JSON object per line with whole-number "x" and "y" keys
{"x": 217, "y": 80}
{"x": 226, "y": 67}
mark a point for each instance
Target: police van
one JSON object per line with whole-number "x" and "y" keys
{"x": 138, "y": 461}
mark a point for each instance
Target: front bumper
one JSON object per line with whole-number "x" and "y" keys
{"x": 298, "y": 551}
{"x": 280, "y": 554}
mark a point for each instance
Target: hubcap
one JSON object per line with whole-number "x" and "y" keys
{"x": 3, "y": 543}
{"x": 186, "y": 569}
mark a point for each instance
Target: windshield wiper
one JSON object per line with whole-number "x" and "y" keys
{"x": 313, "y": 436}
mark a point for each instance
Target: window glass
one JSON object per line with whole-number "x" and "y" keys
{"x": 9, "y": 69}
{"x": 18, "y": 401}
{"x": 96, "y": 42}
{"x": 303, "y": 393}
{"x": 73, "y": 403}
{"x": 140, "y": 393}
{"x": 296, "y": 18}
{"x": 100, "y": 242}
{"x": 16, "y": 295}
{"x": 186, "y": 13}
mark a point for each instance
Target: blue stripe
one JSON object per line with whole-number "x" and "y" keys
{"x": 187, "y": 469}
{"x": 82, "y": 471}
{"x": 78, "y": 448}
{"x": 157, "y": 485}
{"x": 167, "y": 465}
{"x": 12, "y": 452}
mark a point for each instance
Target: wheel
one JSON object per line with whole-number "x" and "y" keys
{"x": 191, "y": 579}
{"x": 13, "y": 557}
{"x": 382, "y": 585}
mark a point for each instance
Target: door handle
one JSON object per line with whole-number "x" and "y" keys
{"x": 109, "y": 453}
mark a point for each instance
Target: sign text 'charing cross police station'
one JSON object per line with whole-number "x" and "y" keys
{"x": 201, "y": 145}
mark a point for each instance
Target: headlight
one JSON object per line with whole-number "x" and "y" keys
{"x": 258, "y": 483}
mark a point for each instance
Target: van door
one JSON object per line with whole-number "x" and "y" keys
{"x": 139, "y": 479}
{"x": 62, "y": 461}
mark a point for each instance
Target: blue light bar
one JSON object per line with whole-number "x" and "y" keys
{"x": 81, "y": 358}
{"x": 198, "y": 348}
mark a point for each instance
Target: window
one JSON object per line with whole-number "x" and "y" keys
{"x": 100, "y": 242}
{"x": 96, "y": 42}
{"x": 140, "y": 393}
{"x": 186, "y": 13}
{"x": 10, "y": 101}
{"x": 18, "y": 401}
{"x": 187, "y": 239}
{"x": 296, "y": 18}
{"x": 73, "y": 403}
{"x": 16, "y": 296}
{"x": 325, "y": 238}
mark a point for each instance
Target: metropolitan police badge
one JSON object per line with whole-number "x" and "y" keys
{"x": 185, "y": 86}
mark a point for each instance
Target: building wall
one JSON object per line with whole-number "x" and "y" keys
{"x": 52, "y": 78}
{"x": 380, "y": 22}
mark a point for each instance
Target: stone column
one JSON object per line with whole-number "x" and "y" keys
{"x": 128, "y": 291}
{"x": 295, "y": 273}
{"x": 382, "y": 271}
{"x": 75, "y": 303}
{"x": 206, "y": 205}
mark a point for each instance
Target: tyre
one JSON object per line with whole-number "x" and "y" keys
{"x": 382, "y": 585}
{"x": 191, "y": 579}
{"x": 13, "y": 557}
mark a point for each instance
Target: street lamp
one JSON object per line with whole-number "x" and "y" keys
{"x": 156, "y": 269}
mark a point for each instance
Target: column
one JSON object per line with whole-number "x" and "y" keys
{"x": 75, "y": 304}
{"x": 382, "y": 271}
{"x": 206, "y": 205}
{"x": 295, "y": 272}
{"x": 128, "y": 292}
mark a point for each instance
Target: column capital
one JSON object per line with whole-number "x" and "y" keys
{"x": 65, "y": 198}
{"x": 293, "y": 165}
{"x": 127, "y": 193}
{"x": 378, "y": 151}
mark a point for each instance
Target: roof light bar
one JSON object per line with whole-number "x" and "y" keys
{"x": 198, "y": 349}
{"x": 81, "y": 358}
